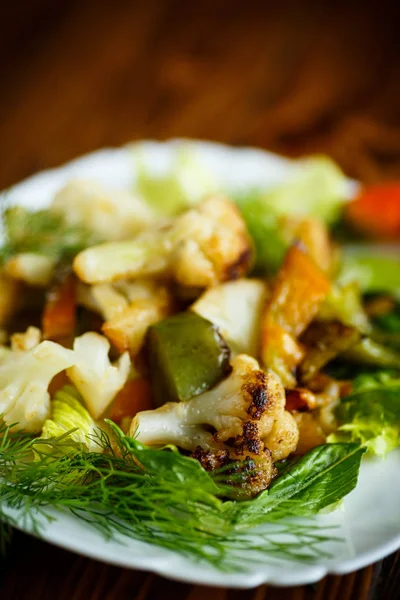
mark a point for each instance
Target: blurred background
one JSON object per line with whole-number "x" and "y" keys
{"x": 292, "y": 76}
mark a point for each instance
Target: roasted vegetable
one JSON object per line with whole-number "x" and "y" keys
{"x": 59, "y": 315}
{"x": 199, "y": 248}
{"x": 95, "y": 377}
{"x": 134, "y": 397}
{"x": 24, "y": 379}
{"x": 313, "y": 234}
{"x": 10, "y": 297}
{"x": 109, "y": 215}
{"x": 127, "y": 329}
{"x": 344, "y": 304}
{"x": 187, "y": 356}
{"x": 102, "y": 298}
{"x": 323, "y": 342}
{"x": 236, "y": 308}
{"x": 297, "y": 293}
{"x": 33, "y": 268}
{"x": 246, "y": 410}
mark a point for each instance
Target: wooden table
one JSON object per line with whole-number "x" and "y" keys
{"x": 294, "y": 77}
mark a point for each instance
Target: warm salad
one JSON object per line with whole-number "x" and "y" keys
{"x": 180, "y": 363}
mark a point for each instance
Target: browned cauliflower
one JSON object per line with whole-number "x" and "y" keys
{"x": 199, "y": 248}
{"x": 243, "y": 417}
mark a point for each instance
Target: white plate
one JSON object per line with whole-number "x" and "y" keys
{"x": 369, "y": 521}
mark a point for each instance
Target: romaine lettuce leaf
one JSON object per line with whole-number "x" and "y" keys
{"x": 70, "y": 416}
{"x": 316, "y": 188}
{"x": 370, "y": 415}
{"x": 187, "y": 183}
{"x": 374, "y": 268}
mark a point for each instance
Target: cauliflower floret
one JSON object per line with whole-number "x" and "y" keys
{"x": 203, "y": 246}
{"x": 22, "y": 342}
{"x": 94, "y": 376}
{"x": 110, "y": 215}
{"x": 35, "y": 269}
{"x": 28, "y": 367}
{"x": 102, "y": 298}
{"x": 244, "y": 409}
{"x": 128, "y": 308}
{"x": 24, "y": 379}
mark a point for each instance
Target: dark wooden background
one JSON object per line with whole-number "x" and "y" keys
{"x": 292, "y": 76}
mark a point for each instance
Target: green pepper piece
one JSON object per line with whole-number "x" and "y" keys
{"x": 187, "y": 356}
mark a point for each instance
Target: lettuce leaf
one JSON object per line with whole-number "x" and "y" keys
{"x": 370, "y": 415}
{"x": 70, "y": 418}
{"x": 187, "y": 182}
{"x": 307, "y": 485}
{"x": 374, "y": 268}
{"x": 317, "y": 188}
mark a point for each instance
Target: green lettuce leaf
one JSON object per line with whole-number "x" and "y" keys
{"x": 374, "y": 268}
{"x": 187, "y": 183}
{"x": 317, "y": 188}
{"x": 370, "y": 415}
{"x": 309, "y": 484}
{"x": 70, "y": 418}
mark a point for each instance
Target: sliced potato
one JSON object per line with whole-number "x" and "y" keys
{"x": 236, "y": 309}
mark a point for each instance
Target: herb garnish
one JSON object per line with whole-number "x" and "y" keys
{"x": 161, "y": 497}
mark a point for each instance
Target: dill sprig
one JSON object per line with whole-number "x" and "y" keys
{"x": 159, "y": 497}
{"x": 43, "y": 231}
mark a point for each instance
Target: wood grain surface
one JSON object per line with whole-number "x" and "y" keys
{"x": 292, "y": 76}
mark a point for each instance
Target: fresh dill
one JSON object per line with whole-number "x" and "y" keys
{"x": 163, "y": 498}
{"x": 43, "y": 231}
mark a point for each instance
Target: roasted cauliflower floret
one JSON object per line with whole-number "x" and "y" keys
{"x": 237, "y": 419}
{"x": 110, "y": 215}
{"x": 24, "y": 380}
{"x": 203, "y": 246}
{"x": 241, "y": 477}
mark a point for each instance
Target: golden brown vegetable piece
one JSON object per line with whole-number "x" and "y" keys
{"x": 314, "y": 234}
{"x": 134, "y": 397}
{"x": 59, "y": 316}
{"x": 127, "y": 329}
{"x": 10, "y": 297}
{"x": 310, "y": 432}
{"x": 243, "y": 416}
{"x": 299, "y": 289}
{"x": 34, "y": 269}
{"x": 235, "y": 307}
{"x": 200, "y": 248}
